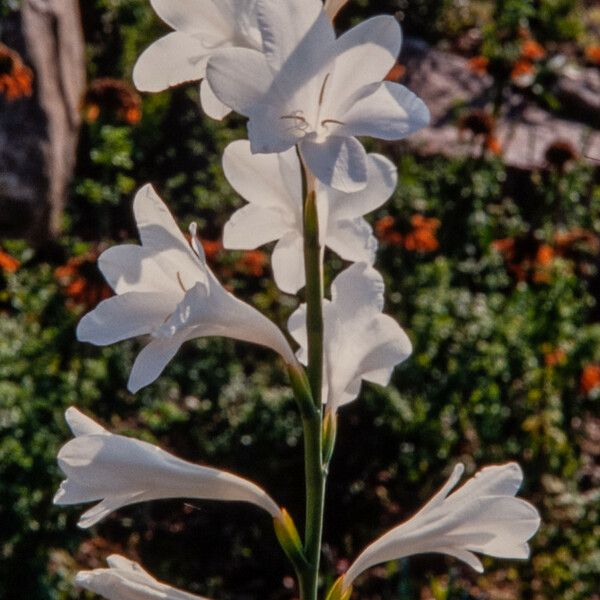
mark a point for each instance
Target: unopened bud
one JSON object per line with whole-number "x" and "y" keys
{"x": 288, "y": 536}
{"x": 329, "y": 435}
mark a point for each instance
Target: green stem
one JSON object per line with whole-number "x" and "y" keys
{"x": 314, "y": 297}
{"x": 313, "y": 427}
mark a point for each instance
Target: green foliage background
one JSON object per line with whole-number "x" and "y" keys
{"x": 477, "y": 388}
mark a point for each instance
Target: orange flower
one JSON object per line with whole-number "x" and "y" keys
{"x": 544, "y": 255}
{"x": 479, "y": 65}
{"x": 386, "y": 233}
{"x": 396, "y": 73}
{"x": 492, "y": 143}
{"x": 592, "y": 54}
{"x": 543, "y": 260}
{"x": 15, "y": 78}
{"x": 422, "y": 238}
{"x": 113, "y": 97}
{"x": 590, "y": 378}
{"x": 211, "y": 248}
{"x": 522, "y": 68}
{"x": 253, "y": 263}
{"x": 532, "y": 50}
{"x": 8, "y": 263}
{"x": 82, "y": 282}
{"x": 555, "y": 357}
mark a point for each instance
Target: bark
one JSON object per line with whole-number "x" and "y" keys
{"x": 38, "y": 135}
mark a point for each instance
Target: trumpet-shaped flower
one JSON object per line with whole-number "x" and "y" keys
{"x": 272, "y": 184}
{"x": 309, "y": 89}
{"x": 164, "y": 288}
{"x": 481, "y": 516}
{"x": 120, "y": 471}
{"x": 359, "y": 342}
{"x": 126, "y": 580}
{"x": 201, "y": 28}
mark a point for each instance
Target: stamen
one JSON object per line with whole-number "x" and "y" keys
{"x": 181, "y": 282}
{"x": 295, "y": 117}
{"x": 334, "y": 121}
{"x": 322, "y": 94}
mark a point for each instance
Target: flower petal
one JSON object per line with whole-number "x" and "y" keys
{"x": 382, "y": 179}
{"x": 171, "y": 60}
{"x": 352, "y": 240}
{"x": 358, "y": 288}
{"x": 252, "y": 226}
{"x": 202, "y": 17}
{"x": 162, "y": 238}
{"x": 125, "y": 316}
{"x": 211, "y": 105}
{"x": 297, "y": 328}
{"x": 387, "y": 111}
{"x": 80, "y": 424}
{"x": 497, "y": 480}
{"x": 239, "y": 77}
{"x": 126, "y": 580}
{"x": 131, "y": 268}
{"x": 288, "y": 263}
{"x": 364, "y": 55}
{"x": 339, "y": 162}
{"x": 152, "y": 360}
{"x": 290, "y": 27}
{"x": 269, "y": 180}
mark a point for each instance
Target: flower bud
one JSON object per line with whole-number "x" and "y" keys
{"x": 329, "y": 435}
{"x": 288, "y": 536}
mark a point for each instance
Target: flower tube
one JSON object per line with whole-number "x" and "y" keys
{"x": 120, "y": 471}
{"x": 165, "y": 288}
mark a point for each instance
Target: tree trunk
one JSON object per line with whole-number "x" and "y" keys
{"x": 38, "y": 135}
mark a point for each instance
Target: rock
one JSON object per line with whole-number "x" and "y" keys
{"x": 523, "y": 129}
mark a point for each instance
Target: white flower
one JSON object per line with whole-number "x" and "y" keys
{"x": 359, "y": 342}
{"x": 201, "y": 28}
{"x": 120, "y": 471}
{"x": 126, "y": 580}
{"x": 482, "y": 516}
{"x": 165, "y": 289}
{"x": 308, "y": 89}
{"x": 272, "y": 184}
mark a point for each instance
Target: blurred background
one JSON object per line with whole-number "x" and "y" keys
{"x": 490, "y": 252}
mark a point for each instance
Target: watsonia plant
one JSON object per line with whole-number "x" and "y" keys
{"x": 308, "y": 96}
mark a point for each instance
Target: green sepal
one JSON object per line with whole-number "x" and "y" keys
{"x": 289, "y": 538}
{"x": 339, "y": 591}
